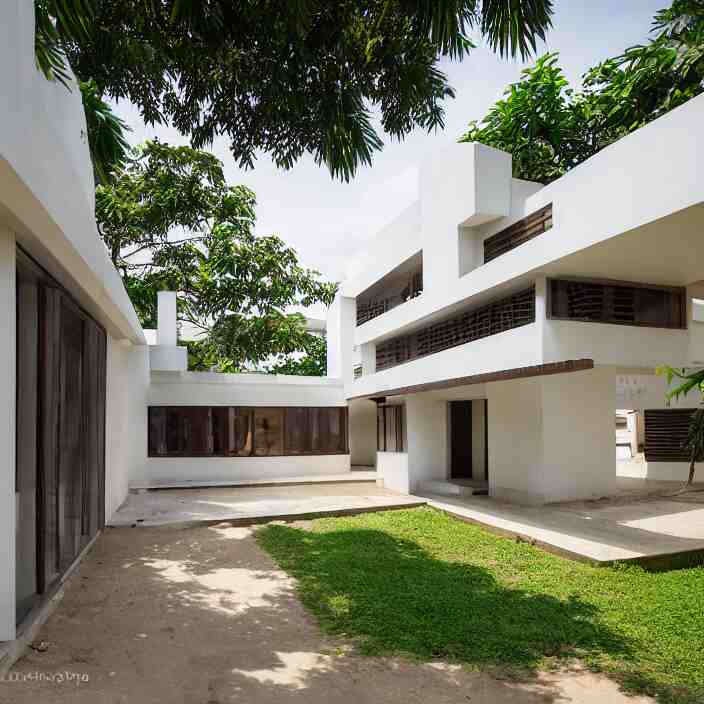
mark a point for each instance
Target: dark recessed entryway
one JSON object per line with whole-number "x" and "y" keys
{"x": 461, "y": 439}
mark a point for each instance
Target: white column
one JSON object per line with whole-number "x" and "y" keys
{"x": 426, "y": 432}
{"x": 7, "y": 435}
{"x": 340, "y": 338}
{"x": 166, "y": 318}
{"x": 551, "y": 438}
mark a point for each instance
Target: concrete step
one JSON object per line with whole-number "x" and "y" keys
{"x": 466, "y": 487}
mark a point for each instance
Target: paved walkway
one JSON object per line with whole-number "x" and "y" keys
{"x": 256, "y": 504}
{"x": 633, "y": 527}
{"x": 202, "y": 616}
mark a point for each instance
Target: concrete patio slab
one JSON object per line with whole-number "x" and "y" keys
{"x": 246, "y": 505}
{"x": 657, "y": 533}
{"x": 203, "y": 616}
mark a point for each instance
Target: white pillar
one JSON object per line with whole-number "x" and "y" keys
{"x": 340, "y": 338}
{"x": 551, "y": 438}
{"x": 166, "y": 318}
{"x": 7, "y": 436}
{"x": 426, "y": 434}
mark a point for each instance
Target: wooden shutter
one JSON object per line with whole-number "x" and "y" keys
{"x": 71, "y": 436}
{"x": 665, "y": 434}
{"x": 94, "y": 350}
{"x": 49, "y": 366}
{"x": 518, "y": 233}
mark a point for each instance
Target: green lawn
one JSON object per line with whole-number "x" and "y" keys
{"x": 420, "y": 584}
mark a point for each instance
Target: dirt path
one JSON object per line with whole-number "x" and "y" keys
{"x": 203, "y": 616}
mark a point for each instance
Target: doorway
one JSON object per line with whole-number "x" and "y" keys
{"x": 461, "y": 440}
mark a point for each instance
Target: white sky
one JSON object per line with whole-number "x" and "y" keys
{"x": 327, "y": 221}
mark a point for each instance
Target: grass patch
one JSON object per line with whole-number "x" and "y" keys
{"x": 421, "y": 584}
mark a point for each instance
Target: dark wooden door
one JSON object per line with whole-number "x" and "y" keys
{"x": 461, "y": 439}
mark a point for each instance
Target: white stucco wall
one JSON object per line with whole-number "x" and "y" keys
{"x": 224, "y": 469}
{"x": 513, "y": 348}
{"x": 552, "y": 438}
{"x": 126, "y": 419}
{"x": 392, "y": 471}
{"x": 213, "y": 389}
{"x": 478, "y": 439}
{"x": 341, "y": 318}
{"x": 46, "y": 177}
{"x": 426, "y": 430}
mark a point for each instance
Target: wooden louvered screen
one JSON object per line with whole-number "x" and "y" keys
{"x": 665, "y": 433}
{"x": 619, "y": 303}
{"x": 474, "y": 324}
{"x": 393, "y": 352}
{"x": 518, "y": 233}
{"x": 394, "y": 292}
{"x": 238, "y": 431}
{"x": 70, "y": 373}
{"x": 48, "y": 436}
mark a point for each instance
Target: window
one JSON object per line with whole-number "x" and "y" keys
{"x": 617, "y": 303}
{"x": 230, "y": 431}
{"x": 472, "y": 324}
{"x": 298, "y": 436}
{"x": 268, "y": 431}
{"x": 328, "y": 432}
{"x": 390, "y": 428}
{"x": 518, "y": 233}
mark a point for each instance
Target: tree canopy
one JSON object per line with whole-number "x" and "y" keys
{"x": 288, "y": 78}
{"x": 549, "y": 128}
{"x": 171, "y": 221}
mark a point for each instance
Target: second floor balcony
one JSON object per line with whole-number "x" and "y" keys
{"x": 398, "y": 286}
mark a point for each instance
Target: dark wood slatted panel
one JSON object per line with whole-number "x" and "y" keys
{"x": 71, "y": 435}
{"x": 232, "y": 431}
{"x": 70, "y": 372}
{"x": 47, "y": 475}
{"x": 393, "y": 352}
{"x": 474, "y": 324}
{"x": 665, "y": 434}
{"x": 518, "y": 233}
{"x": 374, "y": 307}
{"x": 94, "y": 358}
{"x": 617, "y": 303}
{"x": 390, "y": 428}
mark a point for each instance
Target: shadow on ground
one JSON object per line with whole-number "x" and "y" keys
{"x": 393, "y": 598}
{"x": 204, "y": 616}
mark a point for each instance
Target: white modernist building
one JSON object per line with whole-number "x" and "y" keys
{"x": 487, "y": 336}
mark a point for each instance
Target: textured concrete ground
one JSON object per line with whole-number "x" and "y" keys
{"x": 202, "y": 616}
{"x": 255, "y": 503}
